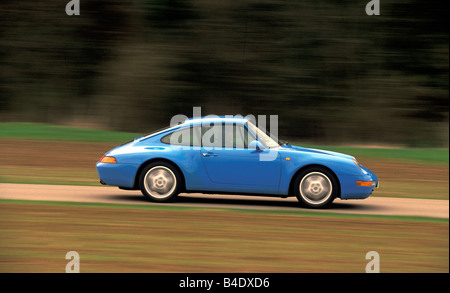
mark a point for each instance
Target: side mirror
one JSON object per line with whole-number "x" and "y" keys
{"x": 256, "y": 145}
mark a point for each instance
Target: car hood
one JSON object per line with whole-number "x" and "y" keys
{"x": 294, "y": 148}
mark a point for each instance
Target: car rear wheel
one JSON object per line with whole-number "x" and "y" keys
{"x": 315, "y": 187}
{"x": 160, "y": 181}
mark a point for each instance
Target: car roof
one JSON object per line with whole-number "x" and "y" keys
{"x": 197, "y": 120}
{"x": 215, "y": 119}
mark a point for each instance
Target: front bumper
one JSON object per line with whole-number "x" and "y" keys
{"x": 349, "y": 188}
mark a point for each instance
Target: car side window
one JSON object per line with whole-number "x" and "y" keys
{"x": 183, "y": 137}
{"x": 211, "y": 135}
{"x": 225, "y": 136}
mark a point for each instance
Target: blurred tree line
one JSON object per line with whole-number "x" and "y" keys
{"x": 331, "y": 73}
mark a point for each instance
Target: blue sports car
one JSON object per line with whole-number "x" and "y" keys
{"x": 233, "y": 156}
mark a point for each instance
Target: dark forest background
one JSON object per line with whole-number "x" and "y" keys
{"x": 331, "y": 73}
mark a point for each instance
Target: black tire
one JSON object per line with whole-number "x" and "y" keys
{"x": 315, "y": 187}
{"x": 160, "y": 181}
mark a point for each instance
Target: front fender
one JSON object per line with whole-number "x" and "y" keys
{"x": 292, "y": 163}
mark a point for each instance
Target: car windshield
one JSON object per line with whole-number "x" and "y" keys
{"x": 265, "y": 139}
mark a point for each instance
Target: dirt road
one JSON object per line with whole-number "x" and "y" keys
{"x": 102, "y": 194}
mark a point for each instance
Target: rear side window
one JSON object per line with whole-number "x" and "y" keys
{"x": 184, "y": 137}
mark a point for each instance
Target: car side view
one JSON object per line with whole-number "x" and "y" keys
{"x": 232, "y": 155}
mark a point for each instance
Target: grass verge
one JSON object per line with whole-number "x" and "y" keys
{"x": 35, "y": 237}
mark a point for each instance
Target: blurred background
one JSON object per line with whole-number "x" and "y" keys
{"x": 330, "y": 72}
{"x": 375, "y": 87}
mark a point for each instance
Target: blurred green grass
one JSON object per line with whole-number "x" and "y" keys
{"x": 41, "y": 131}
{"x": 50, "y": 175}
{"x": 116, "y": 238}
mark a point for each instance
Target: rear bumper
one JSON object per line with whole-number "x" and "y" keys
{"x": 117, "y": 174}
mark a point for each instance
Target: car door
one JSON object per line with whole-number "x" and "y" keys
{"x": 230, "y": 162}
{"x": 184, "y": 150}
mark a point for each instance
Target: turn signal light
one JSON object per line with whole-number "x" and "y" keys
{"x": 105, "y": 159}
{"x": 364, "y": 183}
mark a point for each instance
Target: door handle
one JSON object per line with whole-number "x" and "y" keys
{"x": 209, "y": 154}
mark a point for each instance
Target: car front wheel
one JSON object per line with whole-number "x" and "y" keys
{"x": 160, "y": 181}
{"x": 315, "y": 187}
